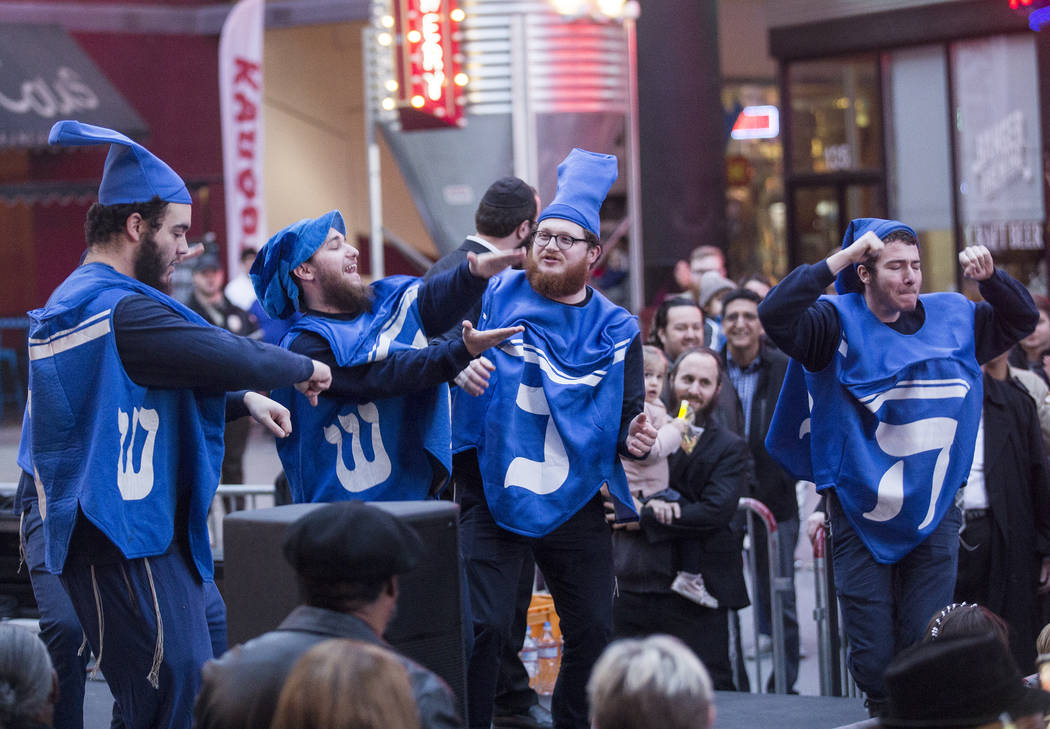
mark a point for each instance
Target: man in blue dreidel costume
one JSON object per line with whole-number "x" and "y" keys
{"x": 122, "y": 443}
{"x": 381, "y": 431}
{"x": 565, "y": 398}
{"x": 880, "y": 408}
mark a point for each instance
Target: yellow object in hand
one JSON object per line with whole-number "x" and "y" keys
{"x": 683, "y": 410}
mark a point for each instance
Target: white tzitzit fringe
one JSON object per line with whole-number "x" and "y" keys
{"x": 101, "y": 625}
{"x": 158, "y": 652}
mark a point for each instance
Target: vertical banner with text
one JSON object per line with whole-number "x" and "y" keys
{"x": 241, "y": 94}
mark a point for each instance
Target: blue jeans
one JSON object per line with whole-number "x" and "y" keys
{"x": 788, "y": 531}
{"x": 886, "y": 607}
{"x": 59, "y": 628}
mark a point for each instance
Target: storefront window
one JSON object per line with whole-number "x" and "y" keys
{"x": 998, "y": 148}
{"x": 754, "y": 187}
{"x": 818, "y": 224}
{"x": 919, "y": 156}
{"x": 836, "y": 117}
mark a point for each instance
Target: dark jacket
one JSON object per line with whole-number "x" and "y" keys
{"x": 773, "y": 486}
{"x": 447, "y": 262}
{"x": 1015, "y": 478}
{"x": 226, "y": 315}
{"x": 711, "y": 480}
{"x": 240, "y": 690}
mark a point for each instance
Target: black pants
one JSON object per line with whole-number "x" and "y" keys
{"x": 576, "y": 561}
{"x": 706, "y": 631}
{"x": 975, "y": 560}
{"x": 513, "y": 693}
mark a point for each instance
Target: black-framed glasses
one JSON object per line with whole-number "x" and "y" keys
{"x": 562, "y": 240}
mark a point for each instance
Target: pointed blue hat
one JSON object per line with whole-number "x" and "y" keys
{"x": 132, "y": 174}
{"x": 584, "y": 179}
{"x": 271, "y": 274}
{"x": 847, "y": 281}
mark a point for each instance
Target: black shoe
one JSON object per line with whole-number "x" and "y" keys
{"x": 536, "y": 717}
{"x": 876, "y": 707}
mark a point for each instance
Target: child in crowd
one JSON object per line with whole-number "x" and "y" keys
{"x": 649, "y": 476}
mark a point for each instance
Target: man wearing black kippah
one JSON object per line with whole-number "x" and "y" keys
{"x": 347, "y": 557}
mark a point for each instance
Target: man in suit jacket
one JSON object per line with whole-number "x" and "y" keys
{"x": 347, "y": 558}
{"x": 503, "y": 220}
{"x": 1004, "y": 547}
{"x": 757, "y": 372}
{"x": 710, "y": 479}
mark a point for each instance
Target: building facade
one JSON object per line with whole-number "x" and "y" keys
{"x": 927, "y": 111}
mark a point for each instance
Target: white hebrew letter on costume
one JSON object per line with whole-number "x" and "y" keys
{"x": 135, "y": 484}
{"x": 548, "y": 474}
{"x": 366, "y": 473}
{"x": 909, "y": 439}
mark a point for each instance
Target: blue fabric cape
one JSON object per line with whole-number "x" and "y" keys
{"x": 890, "y": 423}
{"x": 547, "y": 428}
{"x": 378, "y": 450}
{"x": 127, "y": 455}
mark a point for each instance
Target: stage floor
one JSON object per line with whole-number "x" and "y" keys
{"x": 735, "y": 711}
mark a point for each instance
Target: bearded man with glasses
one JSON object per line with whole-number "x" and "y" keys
{"x": 564, "y": 401}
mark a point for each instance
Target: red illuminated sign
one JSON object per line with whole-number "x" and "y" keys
{"x": 757, "y": 122}
{"x": 1015, "y": 4}
{"x": 429, "y": 64}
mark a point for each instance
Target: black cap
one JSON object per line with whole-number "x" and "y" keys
{"x": 957, "y": 682}
{"x": 508, "y": 192}
{"x": 350, "y": 541}
{"x": 207, "y": 262}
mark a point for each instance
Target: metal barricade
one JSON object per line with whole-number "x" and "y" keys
{"x": 778, "y": 585}
{"x": 251, "y": 492}
{"x": 832, "y": 646}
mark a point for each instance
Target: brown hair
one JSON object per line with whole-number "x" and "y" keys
{"x": 964, "y": 619}
{"x": 346, "y": 684}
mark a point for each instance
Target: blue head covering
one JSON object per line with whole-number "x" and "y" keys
{"x": 271, "y": 274}
{"x": 132, "y": 174}
{"x": 847, "y": 282}
{"x": 584, "y": 179}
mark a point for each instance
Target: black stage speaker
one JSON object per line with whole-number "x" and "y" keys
{"x": 260, "y": 589}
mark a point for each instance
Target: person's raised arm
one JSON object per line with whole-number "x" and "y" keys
{"x": 802, "y": 327}
{"x": 447, "y": 296}
{"x": 1007, "y": 314}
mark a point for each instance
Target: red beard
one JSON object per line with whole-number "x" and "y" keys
{"x": 557, "y": 285}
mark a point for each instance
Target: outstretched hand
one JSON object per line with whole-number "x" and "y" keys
{"x": 478, "y": 340}
{"x": 319, "y": 381}
{"x": 640, "y": 435}
{"x": 976, "y": 262}
{"x": 269, "y": 413}
{"x": 475, "y": 376}
{"x": 485, "y": 265}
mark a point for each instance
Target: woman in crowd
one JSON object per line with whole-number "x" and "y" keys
{"x": 346, "y": 684}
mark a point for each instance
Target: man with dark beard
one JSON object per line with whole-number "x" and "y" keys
{"x": 122, "y": 443}
{"x": 565, "y": 398}
{"x": 388, "y": 401}
{"x": 694, "y": 533}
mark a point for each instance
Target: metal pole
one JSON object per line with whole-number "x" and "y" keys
{"x": 752, "y": 565}
{"x": 375, "y": 179}
{"x": 521, "y": 107}
{"x": 636, "y": 279}
{"x": 820, "y": 615}
{"x": 833, "y": 613}
{"x": 778, "y": 584}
